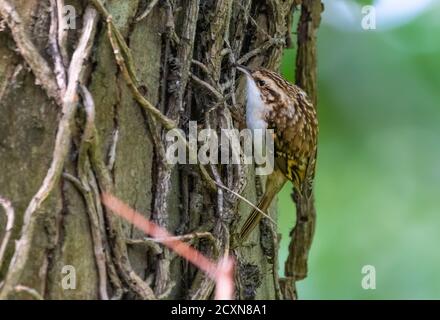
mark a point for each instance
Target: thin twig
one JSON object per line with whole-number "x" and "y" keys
{"x": 10, "y": 215}
{"x": 184, "y": 237}
{"x": 201, "y": 66}
{"x": 166, "y": 122}
{"x": 147, "y": 10}
{"x": 265, "y": 46}
{"x": 255, "y": 23}
{"x": 122, "y": 47}
{"x": 247, "y": 201}
{"x": 190, "y": 238}
{"x": 76, "y": 182}
{"x": 205, "y": 69}
{"x": 111, "y": 268}
{"x": 152, "y": 245}
{"x": 187, "y": 237}
{"x": 207, "y": 86}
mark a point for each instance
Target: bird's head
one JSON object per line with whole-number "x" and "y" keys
{"x": 264, "y": 83}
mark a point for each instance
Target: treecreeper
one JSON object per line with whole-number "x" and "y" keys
{"x": 274, "y": 103}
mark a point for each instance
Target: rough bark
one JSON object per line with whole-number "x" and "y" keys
{"x": 73, "y": 126}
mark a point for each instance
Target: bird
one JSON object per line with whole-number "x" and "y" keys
{"x": 274, "y": 103}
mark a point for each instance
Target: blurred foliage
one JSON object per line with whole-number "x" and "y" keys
{"x": 378, "y": 174}
{"x": 365, "y": 2}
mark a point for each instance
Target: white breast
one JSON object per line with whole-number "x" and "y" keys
{"x": 255, "y": 106}
{"x": 255, "y": 112}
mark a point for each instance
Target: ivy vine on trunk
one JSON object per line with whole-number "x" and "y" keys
{"x": 86, "y": 110}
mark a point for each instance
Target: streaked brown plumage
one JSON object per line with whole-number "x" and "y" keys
{"x": 287, "y": 110}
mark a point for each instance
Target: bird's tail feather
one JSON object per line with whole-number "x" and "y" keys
{"x": 254, "y": 218}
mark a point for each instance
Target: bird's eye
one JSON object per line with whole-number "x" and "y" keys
{"x": 261, "y": 83}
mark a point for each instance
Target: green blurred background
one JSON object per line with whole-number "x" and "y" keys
{"x": 378, "y": 174}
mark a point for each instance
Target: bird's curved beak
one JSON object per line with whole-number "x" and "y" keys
{"x": 243, "y": 69}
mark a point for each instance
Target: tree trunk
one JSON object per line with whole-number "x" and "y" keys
{"x": 72, "y": 128}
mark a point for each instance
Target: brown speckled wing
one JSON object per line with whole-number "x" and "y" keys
{"x": 293, "y": 168}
